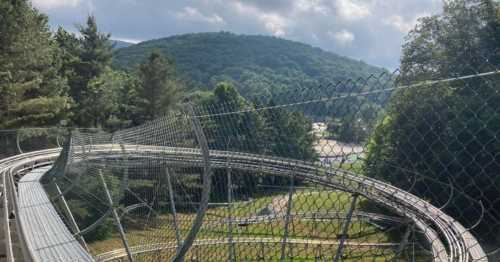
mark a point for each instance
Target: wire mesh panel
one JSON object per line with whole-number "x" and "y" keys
{"x": 133, "y": 193}
{"x": 8, "y": 145}
{"x": 286, "y": 182}
{"x": 375, "y": 169}
{"x": 16, "y": 141}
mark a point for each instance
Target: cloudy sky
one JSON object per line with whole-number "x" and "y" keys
{"x": 371, "y": 30}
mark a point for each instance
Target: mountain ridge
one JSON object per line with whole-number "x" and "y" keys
{"x": 254, "y": 63}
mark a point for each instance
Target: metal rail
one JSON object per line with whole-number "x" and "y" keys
{"x": 460, "y": 244}
{"x": 119, "y": 253}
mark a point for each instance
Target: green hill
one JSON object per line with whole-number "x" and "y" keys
{"x": 255, "y": 64}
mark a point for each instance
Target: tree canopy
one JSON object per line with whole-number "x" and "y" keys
{"x": 32, "y": 91}
{"x": 445, "y": 134}
{"x": 160, "y": 88}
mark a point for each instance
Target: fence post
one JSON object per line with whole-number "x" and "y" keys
{"x": 413, "y": 246}
{"x": 287, "y": 218}
{"x": 18, "y": 143}
{"x": 205, "y": 194}
{"x": 174, "y": 211}
{"x": 232, "y": 255}
{"x": 116, "y": 217}
{"x": 404, "y": 242}
{"x": 72, "y": 220}
{"x": 345, "y": 227}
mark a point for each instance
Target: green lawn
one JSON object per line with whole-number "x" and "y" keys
{"x": 160, "y": 230}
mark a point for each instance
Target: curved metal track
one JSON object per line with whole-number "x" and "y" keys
{"x": 119, "y": 253}
{"x": 449, "y": 240}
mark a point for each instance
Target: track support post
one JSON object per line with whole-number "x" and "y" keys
{"x": 287, "y": 218}
{"x": 72, "y": 220}
{"x": 345, "y": 228}
{"x": 404, "y": 241}
{"x": 116, "y": 218}
{"x": 206, "y": 181}
{"x": 173, "y": 209}
{"x": 232, "y": 255}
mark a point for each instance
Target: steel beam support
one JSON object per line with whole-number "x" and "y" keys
{"x": 116, "y": 218}
{"x": 404, "y": 241}
{"x": 174, "y": 211}
{"x": 18, "y": 143}
{"x": 149, "y": 212}
{"x": 72, "y": 220}
{"x": 287, "y": 217}
{"x": 205, "y": 194}
{"x": 345, "y": 227}
{"x": 232, "y": 254}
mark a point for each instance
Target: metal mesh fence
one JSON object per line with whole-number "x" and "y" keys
{"x": 376, "y": 169}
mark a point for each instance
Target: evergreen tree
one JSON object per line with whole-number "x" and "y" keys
{"x": 103, "y": 97}
{"x": 96, "y": 50}
{"x": 160, "y": 88}
{"x": 32, "y": 93}
{"x": 84, "y": 60}
{"x": 70, "y": 50}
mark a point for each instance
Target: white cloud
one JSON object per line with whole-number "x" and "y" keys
{"x": 273, "y": 23}
{"x": 52, "y": 4}
{"x": 313, "y": 6}
{"x": 192, "y": 14}
{"x": 342, "y": 37}
{"x": 129, "y": 40}
{"x": 314, "y": 37}
{"x": 351, "y": 9}
{"x": 356, "y": 25}
{"x": 401, "y": 24}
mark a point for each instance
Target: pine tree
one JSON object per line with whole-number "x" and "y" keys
{"x": 86, "y": 58}
{"x": 160, "y": 88}
{"x": 70, "y": 49}
{"x": 96, "y": 50}
{"x": 32, "y": 92}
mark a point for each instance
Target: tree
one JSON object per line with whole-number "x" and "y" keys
{"x": 456, "y": 42}
{"x": 96, "y": 50}
{"x": 288, "y": 134}
{"x": 32, "y": 92}
{"x": 160, "y": 88}
{"x": 234, "y": 124}
{"x": 445, "y": 134}
{"x": 109, "y": 100}
{"x": 237, "y": 131}
{"x": 70, "y": 50}
{"x": 353, "y": 119}
{"x": 84, "y": 59}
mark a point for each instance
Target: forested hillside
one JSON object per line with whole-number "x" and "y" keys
{"x": 255, "y": 64}
{"x": 50, "y": 76}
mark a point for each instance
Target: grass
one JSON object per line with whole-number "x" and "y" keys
{"x": 258, "y": 252}
{"x": 160, "y": 230}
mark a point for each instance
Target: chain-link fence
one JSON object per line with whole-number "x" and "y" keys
{"x": 376, "y": 169}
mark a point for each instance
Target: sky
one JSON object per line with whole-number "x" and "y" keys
{"x": 368, "y": 30}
